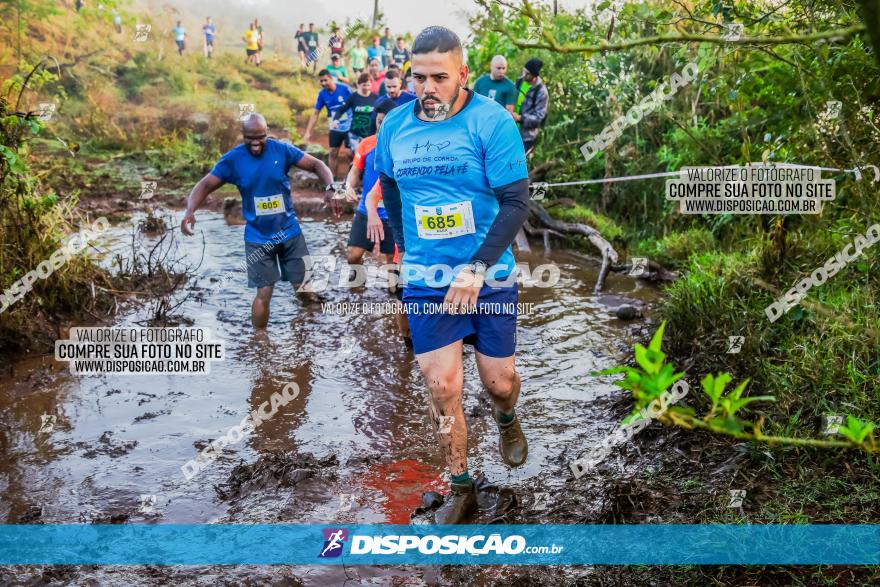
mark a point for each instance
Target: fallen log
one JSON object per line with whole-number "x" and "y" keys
{"x": 653, "y": 272}
{"x": 560, "y": 228}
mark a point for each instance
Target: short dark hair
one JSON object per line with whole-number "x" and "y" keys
{"x": 364, "y": 78}
{"x": 436, "y": 38}
{"x": 393, "y": 66}
{"x": 400, "y": 39}
{"x": 386, "y": 106}
{"x": 324, "y": 72}
{"x": 335, "y": 56}
{"x": 392, "y": 74}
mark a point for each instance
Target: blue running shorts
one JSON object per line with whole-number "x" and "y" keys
{"x": 491, "y": 329}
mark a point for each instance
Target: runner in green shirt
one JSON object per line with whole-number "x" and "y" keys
{"x": 313, "y": 45}
{"x": 358, "y": 57}
{"x": 338, "y": 70}
{"x": 496, "y": 86}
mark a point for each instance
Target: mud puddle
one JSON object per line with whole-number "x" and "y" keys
{"x": 354, "y": 446}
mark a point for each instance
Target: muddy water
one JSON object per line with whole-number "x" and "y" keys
{"x": 359, "y": 443}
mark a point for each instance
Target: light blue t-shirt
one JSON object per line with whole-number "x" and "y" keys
{"x": 179, "y": 33}
{"x": 333, "y": 102}
{"x": 446, "y": 172}
{"x": 376, "y": 53}
{"x": 262, "y": 181}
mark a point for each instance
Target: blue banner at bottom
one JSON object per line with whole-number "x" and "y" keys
{"x": 234, "y": 544}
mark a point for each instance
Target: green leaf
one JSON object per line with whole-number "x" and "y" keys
{"x": 649, "y": 359}
{"x": 657, "y": 339}
{"x": 856, "y": 430}
{"x": 737, "y": 393}
{"x": 714, "y": 387}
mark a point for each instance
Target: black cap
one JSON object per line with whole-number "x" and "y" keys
{"x": 534, "y": 65}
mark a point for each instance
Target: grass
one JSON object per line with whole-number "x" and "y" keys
{"x": 674, "y": 250}
{"x": 581, "y": 214}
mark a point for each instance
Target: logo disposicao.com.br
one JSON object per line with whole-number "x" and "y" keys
{"x": 335, "y": 539}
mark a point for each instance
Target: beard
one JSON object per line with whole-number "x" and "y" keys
{"x": 439, "y": 110}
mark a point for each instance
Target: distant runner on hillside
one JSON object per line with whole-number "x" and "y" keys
{"x": 301, "y": 50}
{"x": 388, "y": 45}
{"x": 337, "y": 43}
{"x": 251, "y": 44}
{"x": 357, "y": 55}
{"x": 376, "y": 51}
{"x": 259, "y": 29}
{"x": 209, "y": 29}
{"x": 179, "y": 37}
{"x": 313, "y": 45}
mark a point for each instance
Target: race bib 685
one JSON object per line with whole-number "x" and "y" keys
{"x": 447, "y": 221}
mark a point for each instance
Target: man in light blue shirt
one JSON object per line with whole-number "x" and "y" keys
{"x": 376, "y": 51}
{"x": 179, "y": 37}
{"x": 455, "y": 186}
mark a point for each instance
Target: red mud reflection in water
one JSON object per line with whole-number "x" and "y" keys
{"x": 402, "y": 483}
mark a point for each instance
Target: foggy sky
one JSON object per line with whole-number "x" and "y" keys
{"x": 280, "y": 18}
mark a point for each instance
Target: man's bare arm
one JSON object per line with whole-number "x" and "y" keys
{"x": 316, "y": 166}
{"x": 201, "y": 191}
{"x": 312, "y": 119}
{"x": 353, "y": 180}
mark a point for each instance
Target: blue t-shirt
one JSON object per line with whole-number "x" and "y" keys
{"x": 378, "y": 53}
{"x": 333, "y": 102}
{"x": 209, "y": 29}
{"x": 179, "y": 33}
{"x": 266, "y": 203}
{"x": 446, "y": 172}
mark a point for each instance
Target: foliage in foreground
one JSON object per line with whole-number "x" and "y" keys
{"x": 654, "y": 376}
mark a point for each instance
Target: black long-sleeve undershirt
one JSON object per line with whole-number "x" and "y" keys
{"x": 513, "y": 201}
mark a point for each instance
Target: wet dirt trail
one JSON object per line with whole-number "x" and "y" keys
{"x": 355, "y": 446}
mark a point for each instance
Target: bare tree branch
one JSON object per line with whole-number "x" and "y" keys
{"x": 603, "y": 46}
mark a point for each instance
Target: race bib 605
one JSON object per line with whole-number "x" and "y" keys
{"x": 269, "y": 205}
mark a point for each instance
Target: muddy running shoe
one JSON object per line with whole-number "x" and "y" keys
{"x": 512, "y": 442}
{"x": 460, "y": 504}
